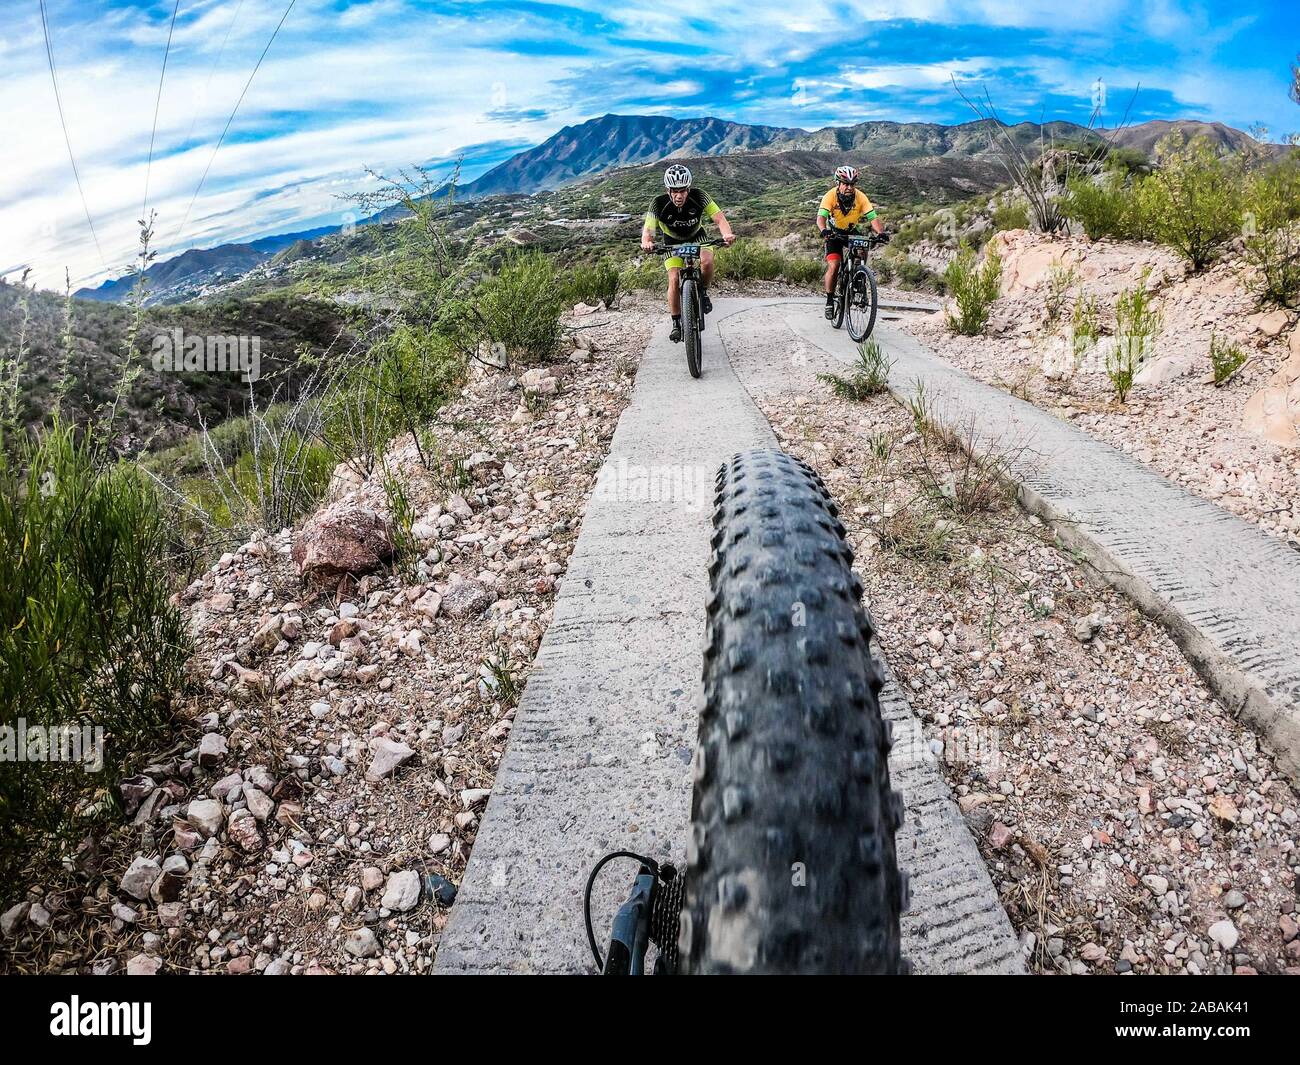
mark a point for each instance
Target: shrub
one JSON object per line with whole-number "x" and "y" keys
{"x": 965, "y": 475}
{"x": 87, "y": 636}
{"x": 283, "y": 474}
{"x": 646, "y": 274}
{"x": 749, "y": 260}
{"x": 590, "y": 284}
{"x": 870, "y": 375}
{"x": 1010, "y": 216}
{"x": 916, "y": 531}
{"x": 1085, "y": 320}
{"x": 1109, "y": 207}
{"x": 1191, "y": 202}
{"x": 974, "y": 288}
{"x": 406, "y": 557}
{"x": 1060, "y": 280}
{"x": 420, "y": 371}
{"x": 799, "y": 270}
{"x": 1136, "y": 325}
{"x": 913, "y": 275}
{"x": 1226, "y": 358}
{"x": 1271, "y": 196}
{"x": 520, "y": 307}
{"x": 1274, "y": 258}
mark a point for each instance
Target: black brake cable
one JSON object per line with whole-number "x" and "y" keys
{"x": 649, "y": 863}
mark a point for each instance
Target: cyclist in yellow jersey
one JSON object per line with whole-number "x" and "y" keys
{"x": 842, "y": 208}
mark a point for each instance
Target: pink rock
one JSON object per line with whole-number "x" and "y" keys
{"x": 467, "y": 598}
{"x": 342, "y": 539}
{"x": 143, "y": 965}
{"x": 244, "y": 831}
{"x": 1289, "y": 927}
{"x": 389, "y": 754}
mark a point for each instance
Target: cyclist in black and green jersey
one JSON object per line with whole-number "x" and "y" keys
{"x": 679, "y": 214}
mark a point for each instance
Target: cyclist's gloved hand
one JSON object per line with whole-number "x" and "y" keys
{"x": 826, "y": 234}
{"x": 885, "y": 236}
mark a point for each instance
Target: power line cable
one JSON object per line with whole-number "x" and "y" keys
{"x": 58, "y": 99}
{"x": 144, "y": 206}
{"x": 231, "y": 119}
{"x": 221, "y": 52}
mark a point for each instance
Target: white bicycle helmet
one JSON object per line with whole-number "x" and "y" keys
{"x": 847, "y": 173}
{"x": 677, "y": 177}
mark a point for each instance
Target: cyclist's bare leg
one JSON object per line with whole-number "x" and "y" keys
{"x": 832, "y": 269}
{"x": 674, "y": 291}
{"x": 706, "y": 266}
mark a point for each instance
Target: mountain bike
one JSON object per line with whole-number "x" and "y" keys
{"x": 790, "y": 862}
{"x": 688, "y": 278}
{"x": 855, "y": 285}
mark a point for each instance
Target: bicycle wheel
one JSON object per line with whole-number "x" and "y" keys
{"x": 837, "y": 319}
{"x": 791, "y": 863}
{"x": 862, "y": 303}
{"x": 691, "y": 326}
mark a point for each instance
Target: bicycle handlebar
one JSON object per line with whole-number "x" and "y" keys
{"x": 712, "y": 242}
{"x": 872, "y": 237}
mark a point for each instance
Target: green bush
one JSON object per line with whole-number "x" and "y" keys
{"x": 87, "y": 635}
{"x": 974, "y": 288}
{"x": 749, "y": 260}
{"x": 590, "y": 284}
{"x": 1136, "y": 326}
{"x": 1226, "y": 358}
{"x": 398, "y": 386}
{"x": 870, "y": 375}
{"x": 911, "y": 274}
{"x": 1192, "y": 201}
{"x": 801, "y": 270}
{"x": 1271, "y": 196}
{"x": 1061, "y": 280}
{"x": 649, "y": 273}
{"x": 1108, "y": 208}
{"x": 1274, "y": 258}
{"x": 406, "y": 558}
{"x": 1085, "y": 322}
{"x": 283, "y": 475}
{"x": 520, "y": 307}
{"x": 1010, "y": 216}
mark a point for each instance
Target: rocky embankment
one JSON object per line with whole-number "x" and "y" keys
{"x": 346, "y": 715}
{"x": 1237, "y": 444}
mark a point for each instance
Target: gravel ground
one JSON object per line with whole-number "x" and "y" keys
{"x": 1129, "y": 821}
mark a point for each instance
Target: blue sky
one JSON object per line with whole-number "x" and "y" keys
{"x": 351, "y": 84}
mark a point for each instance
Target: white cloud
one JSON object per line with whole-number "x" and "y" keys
{"x": 388, "y": 82}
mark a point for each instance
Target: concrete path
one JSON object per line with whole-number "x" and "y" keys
{"x": 1227, "y": 592}
{"x": 599, "y": 758}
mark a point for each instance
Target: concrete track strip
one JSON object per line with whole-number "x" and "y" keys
{"x": 599, "y": 758}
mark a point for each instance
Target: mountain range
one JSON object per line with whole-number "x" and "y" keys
{"x": 583, "y": 151}
{"x": 201, "y": 266}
